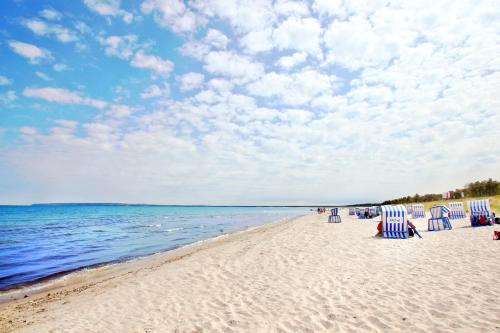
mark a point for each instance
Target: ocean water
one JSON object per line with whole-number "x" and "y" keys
{"x": 42, "y": 241}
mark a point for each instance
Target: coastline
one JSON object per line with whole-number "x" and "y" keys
{"x": 55, "y": 270}
{"x": 108, "y": 270}
{"x": 301, "y": 274}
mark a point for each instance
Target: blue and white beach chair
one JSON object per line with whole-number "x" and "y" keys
{"x": 457, "y": 210}
{"x": 394, "y": 221}
{"x": 334, "y": 217}
{"x": 418, "y": 211}
{"x": 352, "y": 211}
{"x": 477, "y": 209}
{"x": 409, "y": 209}
{"x": 439, "y": 219}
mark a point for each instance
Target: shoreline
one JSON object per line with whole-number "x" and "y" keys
{"x": 301, "y": 274}
{"x": 68, "y": 279}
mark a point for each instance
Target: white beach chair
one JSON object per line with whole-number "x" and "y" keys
{"x": 394, "y": 221}
{"x": 409, "y": 209}
{"x": 477, "y": 209}
{"x": 439, "y": 219}
{"x": 418, "y": 211}
{"x": 334, "y": 217}
{"x": 457, "y": 210}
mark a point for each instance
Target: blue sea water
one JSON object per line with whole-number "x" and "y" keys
{"x": 41, "y": 241}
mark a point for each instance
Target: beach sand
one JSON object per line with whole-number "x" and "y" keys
{"x": 300, "y": 275}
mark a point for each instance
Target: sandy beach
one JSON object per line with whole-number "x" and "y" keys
{"x": 299, "y": 275}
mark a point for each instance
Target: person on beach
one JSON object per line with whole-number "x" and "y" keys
{"x": 412, "y": 230}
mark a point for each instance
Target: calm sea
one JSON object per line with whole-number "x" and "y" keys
{"x": 41, "y": 241}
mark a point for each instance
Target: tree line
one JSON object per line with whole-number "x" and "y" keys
{"x": 476, "y": 189}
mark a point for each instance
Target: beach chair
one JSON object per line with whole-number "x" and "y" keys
{"x": 439, "y": 218}
{"x": 371, "y": 211}
{"x": 418, "y": 211}
{"x": 394, "y": 221}
{"x": 334, "y": 217}
{"x": 409, "y": 209}
{"x": 457, "y": 210}
{"x": 352, "y": 211}
{"x": 478, "y": 209}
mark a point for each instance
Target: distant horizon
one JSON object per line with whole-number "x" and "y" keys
{"x": 175, "y": 205}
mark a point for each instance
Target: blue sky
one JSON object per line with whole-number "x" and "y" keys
{"x": 246, "y": 102}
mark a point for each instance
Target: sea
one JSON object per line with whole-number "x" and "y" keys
{"x": 40, "y": 242}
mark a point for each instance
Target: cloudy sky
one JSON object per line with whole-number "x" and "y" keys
{"x": 246, "y": 101}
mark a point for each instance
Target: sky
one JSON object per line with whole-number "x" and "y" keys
{"x": 246, "y": 101}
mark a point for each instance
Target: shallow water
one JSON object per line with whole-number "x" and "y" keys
{"x": 40, "y": 241}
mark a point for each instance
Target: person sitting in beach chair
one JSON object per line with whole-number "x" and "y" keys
{"x": 480, "y": 212}
{"x": 412, "y": 230}
{"x": 395, "y": 223}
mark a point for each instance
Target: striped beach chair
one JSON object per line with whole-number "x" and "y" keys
{"x": 409, "y": 209}
{"x": 352, "y": 211}
{"x": 418, "y": 211}
{"x": 334, "y": 217}
{"x": 394, "y": 221}
{"x": 371, "y": 211}
{"x": 457, "y": 210}
{"x": 478, "y": 209}
{"x": 439, "y": 218}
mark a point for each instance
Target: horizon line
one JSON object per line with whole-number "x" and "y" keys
{"x": 178, "y": 205}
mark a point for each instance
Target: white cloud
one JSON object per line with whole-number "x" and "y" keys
{"x": 63, "y": 96}
{"x": 244, "y": 16}
{"x": 302, "y": 34}
{"x": 4, "y": 81}
{"x": 291, "y": 7}
{"x": 214, "y": 39}
{"x": 293, "y": 60}
{"x": 241, "y": 68}
{"x": 159, "y": 66}
{"x": 329, "y": 8}
{"x": 173, "y": 14}
{"x": 120, "y": 46}
{"x": 257, "y": 41}
{"x": 8, "y": 97}
{"x": 190, "y": 81}
{"x": 292, "y": 89}
{"x": 50, "y": 14}
{"x": 60, "y": 67}
{"x": 120, "y": 111}
{"x": 109, "y": 8}
{"x": 43, "y": 76}
{"x": 31, "y": 52}
{"x": 420, "y": 75}
{"x": 59, "y": 32}
{"x": 155, "y": 91}
{"x": 66, "y": 123}
{"x": 367, "y": 45}
{"x": 82, "y": 27}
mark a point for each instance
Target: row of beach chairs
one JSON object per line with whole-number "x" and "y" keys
{"x": 395, "y": 217}
{"x": 455, "y": 209}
